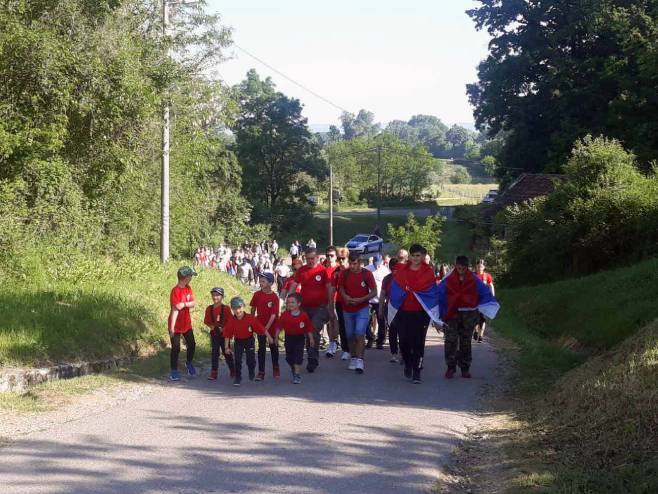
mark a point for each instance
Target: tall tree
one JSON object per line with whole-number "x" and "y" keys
{"x": 361, "y": 125}
{"x": 275, "y": 148}
{"x": 559, "y": 70}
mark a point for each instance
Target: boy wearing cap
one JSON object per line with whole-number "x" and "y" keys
{"x": 297, "y": 326}
{"x": 239, "y": 333}
{"x": 215, "y": 318}
{"x": 180, "y": 322}
{"x": 265, "y": 306}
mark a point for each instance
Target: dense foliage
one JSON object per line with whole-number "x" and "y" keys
{"x": 559, "y": 70}
{"x": 603, "y": 214}
{"x": 80, "y": 126}
{"x": 427, "y": 234}
{"x": 279, "y": 157}
{"x": 366, "y": 167}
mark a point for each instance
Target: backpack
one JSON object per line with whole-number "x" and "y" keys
{"x": 221, "y": 314}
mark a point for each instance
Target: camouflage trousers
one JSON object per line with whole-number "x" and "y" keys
{"x": 458, "y": 337}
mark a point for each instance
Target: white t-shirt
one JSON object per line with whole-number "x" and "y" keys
{"x": 283, "y": 270}
{"x": 379, "y": 275}
{"x": 294, "y": 250}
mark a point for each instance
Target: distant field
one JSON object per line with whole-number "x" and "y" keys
{"x": 461, "y": 194}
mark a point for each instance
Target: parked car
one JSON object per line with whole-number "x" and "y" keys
{"x": 364, "y": 243}
{"x": 490, "y": 197}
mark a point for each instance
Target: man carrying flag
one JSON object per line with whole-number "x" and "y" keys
{"x": 462, "y": 296}
{"x": 413, "y": 300}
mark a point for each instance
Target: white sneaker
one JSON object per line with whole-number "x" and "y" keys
{"x": 345, "y": 356}
{"x": 359, "y": 366}
{"x": 332, "y": 349}
{"x": 353, "y": 364}
{"x": 394, "y": 359}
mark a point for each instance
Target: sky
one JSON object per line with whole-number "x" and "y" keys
{"x": 394, "y": 58}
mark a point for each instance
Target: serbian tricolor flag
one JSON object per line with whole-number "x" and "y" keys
{"x": 467, "y": 294}
{"x": 419, "y": 284}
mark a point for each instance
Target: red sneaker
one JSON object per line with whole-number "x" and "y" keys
{"x": 276, "y": 373}
{"x": 212, "y": 376}
{"x": 260, "y": 376}
{"x": 466, "y": 374}
{"x": 450, "y": 373}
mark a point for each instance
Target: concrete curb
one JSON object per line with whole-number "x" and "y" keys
{"x": 20, "y": 379}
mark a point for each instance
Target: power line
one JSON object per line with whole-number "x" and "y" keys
{"x": 290, "y": 79}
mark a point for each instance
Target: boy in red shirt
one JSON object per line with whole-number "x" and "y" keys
{"x": 265, "y": 306}
{"x": 487, "y": 280}
{"x": 181, "y": 301}
{"x": 357, "y": 286}
{"x": 296, "y": 325}
{"x": 316, "y": 288}
{"x": 215, "y": 318}
{"x": 239, "y": 333}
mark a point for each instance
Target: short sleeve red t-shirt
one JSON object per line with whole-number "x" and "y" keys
{"x": 295, "y": 325}
{"x": 265, "y": 304}
{"x": 243, "y": 328}
{"x": 334, "y": 282}
{"x": 485, "y": 277}
{"x": 331, "y": 272}
{"x": 184, "y": 320}
{"x": 356, "y": 285}
{"x": 313, "y": 281}
{"x": 213, "y": 318}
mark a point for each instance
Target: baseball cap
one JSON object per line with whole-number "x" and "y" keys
{"x": 237, "y": 302}
{"x": 268, "y": 276}
{"x": 218, "y": 291}
{"x": 187, "y": 271}
{"x": 378, "y": 260}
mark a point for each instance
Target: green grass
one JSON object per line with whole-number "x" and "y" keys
{"x": 590, "y": 313}
{"x": 586, "y": 382}
{"x": 70, "y": 307}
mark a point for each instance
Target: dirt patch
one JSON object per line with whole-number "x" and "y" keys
{"x": 482, "y": 463}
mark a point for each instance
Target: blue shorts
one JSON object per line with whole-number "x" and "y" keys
{"x": 356, "y": 323}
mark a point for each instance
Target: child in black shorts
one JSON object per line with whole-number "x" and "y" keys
{"x": 296, "y": 324}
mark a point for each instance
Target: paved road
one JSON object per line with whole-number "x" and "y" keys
{"x": 336, "y": 433}
{"x": 418, "y": 212}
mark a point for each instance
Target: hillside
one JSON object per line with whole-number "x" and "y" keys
{"x": 68, "y": 306}
{"x": 585, "y": 389}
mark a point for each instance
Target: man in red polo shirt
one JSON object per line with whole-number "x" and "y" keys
{"x": 316, "y": 300}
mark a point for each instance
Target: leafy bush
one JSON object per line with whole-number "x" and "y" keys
{"x": 412, "y": 232}
{"x": 460, "y": 176}
{"x": 604, "y": 214}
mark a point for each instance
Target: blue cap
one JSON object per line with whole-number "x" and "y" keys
{"x": 378, "y": 260}
{"x": 268, "y": 276}
{"x": 237, "y": 302}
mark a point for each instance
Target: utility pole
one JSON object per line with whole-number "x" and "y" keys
{"x": 164, "y": 210}
{"x": 331, "y": 204}
{"x": 379, "y": 185}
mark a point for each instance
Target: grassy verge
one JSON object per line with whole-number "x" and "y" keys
{"x": 585, "y": 388}
{"x": 67, "y": 306}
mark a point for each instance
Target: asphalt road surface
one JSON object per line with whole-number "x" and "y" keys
{"x": 337, "y": 432}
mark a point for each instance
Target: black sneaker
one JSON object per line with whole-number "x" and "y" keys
{"x": 475, "y": 336}
{"x": 369, "y": 344}
{"x": 407, "y": 372}
{"x": 416, "y": 378}
{"x": 310, "y": 368}
{"x": 237, "y": 381}
{"x": 380, "y": 346}
{"x": 479, "y": 339}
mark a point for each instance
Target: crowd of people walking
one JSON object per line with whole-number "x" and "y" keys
{"x": 361, "y": 303}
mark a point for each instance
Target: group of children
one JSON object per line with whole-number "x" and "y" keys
{"x": 233, "y": 331}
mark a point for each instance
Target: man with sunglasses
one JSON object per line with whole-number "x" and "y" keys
{"x": 331, "y": 265}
